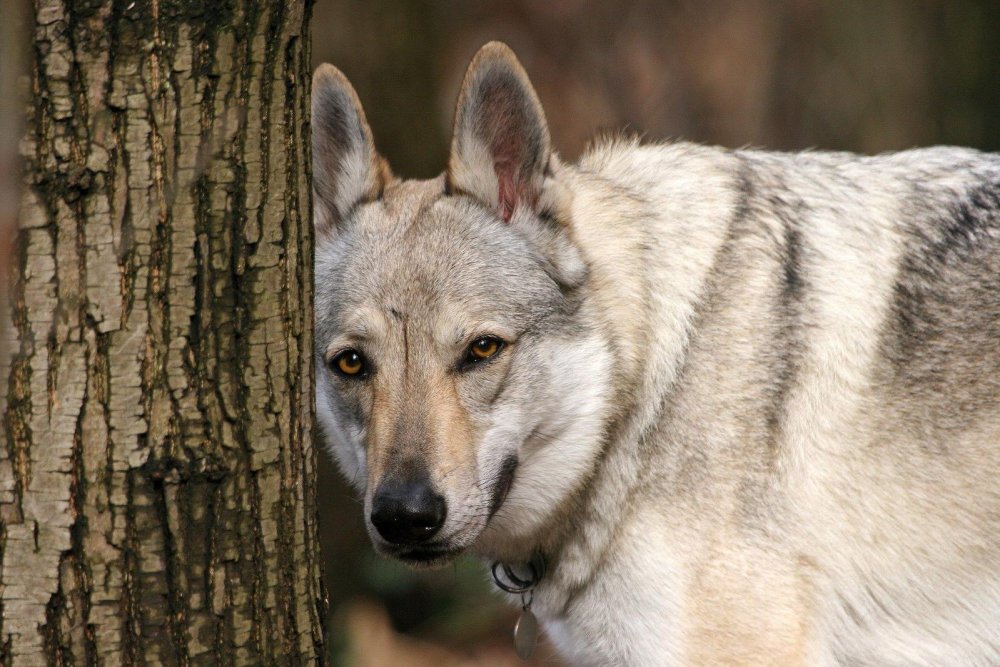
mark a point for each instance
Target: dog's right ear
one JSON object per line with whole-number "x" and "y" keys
{"x": 346, "y": 168}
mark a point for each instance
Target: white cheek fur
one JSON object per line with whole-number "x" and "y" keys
{"x": 568, "y": 421}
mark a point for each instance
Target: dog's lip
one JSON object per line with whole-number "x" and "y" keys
{"x": 428, "y": 554}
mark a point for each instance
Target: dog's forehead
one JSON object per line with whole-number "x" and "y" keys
{"x": 405, "y": 200}
{"x": 433, "y": 259}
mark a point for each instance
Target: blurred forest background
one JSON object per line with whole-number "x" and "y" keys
{"x": 778, "y": 74}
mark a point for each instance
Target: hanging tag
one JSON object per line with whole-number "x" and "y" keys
{"x": 526, "y": 634}
{"x": 526, "y": 628}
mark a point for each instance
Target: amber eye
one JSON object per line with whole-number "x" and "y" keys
{"x": 349, "y": 363}
{"x": 484, "y": 348}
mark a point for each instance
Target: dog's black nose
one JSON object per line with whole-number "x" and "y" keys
{"x": 407, "y": 511}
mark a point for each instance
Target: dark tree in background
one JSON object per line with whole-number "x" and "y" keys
{"x": 156, "y": 461}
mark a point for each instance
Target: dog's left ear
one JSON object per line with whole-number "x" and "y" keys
{"x": 500, "y": 149}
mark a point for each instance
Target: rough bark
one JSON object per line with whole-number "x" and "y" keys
{"x": 156, "y": 467}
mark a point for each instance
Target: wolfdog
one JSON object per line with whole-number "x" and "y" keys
{"x": 743, "y": 405}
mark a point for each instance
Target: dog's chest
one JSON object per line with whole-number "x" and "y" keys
{"x": 626, "y": 614}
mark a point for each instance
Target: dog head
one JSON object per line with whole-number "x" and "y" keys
{"x": 458, "y": 381}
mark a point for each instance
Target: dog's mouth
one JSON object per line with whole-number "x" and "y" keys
{"x": 429, "y": 555}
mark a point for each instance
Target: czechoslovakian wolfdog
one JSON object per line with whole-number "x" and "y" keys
{"x": 745, "y": 405}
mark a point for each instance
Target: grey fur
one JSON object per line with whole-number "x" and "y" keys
{"x": 754, "y": 398}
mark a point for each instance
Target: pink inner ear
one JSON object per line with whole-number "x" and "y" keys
{"x": 507, "y": 194}
{"x": 508, "y": 143}
{"x": 512, "y": 187}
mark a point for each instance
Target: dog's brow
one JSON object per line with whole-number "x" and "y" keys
{"x": 463, "y": 334}
{"x": 353, "y": 334}
{"x": 358, "y": 333}
{"x": 344, "y": 340}
{"x": 364, "y": 324}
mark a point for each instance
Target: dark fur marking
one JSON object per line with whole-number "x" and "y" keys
{"x": 504, "y": 480}
{"x": 790, "y": 307}
{"x": 941, "y": 337}
{"x": 767, "y": 211}
{"x": 792, "y": 263}
{"x": 950, "y": 268}
{"x": 501, "y": 386}
{"x": 780, "y": 202}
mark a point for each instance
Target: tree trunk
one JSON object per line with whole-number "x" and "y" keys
{"x": 156, "y": 468}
